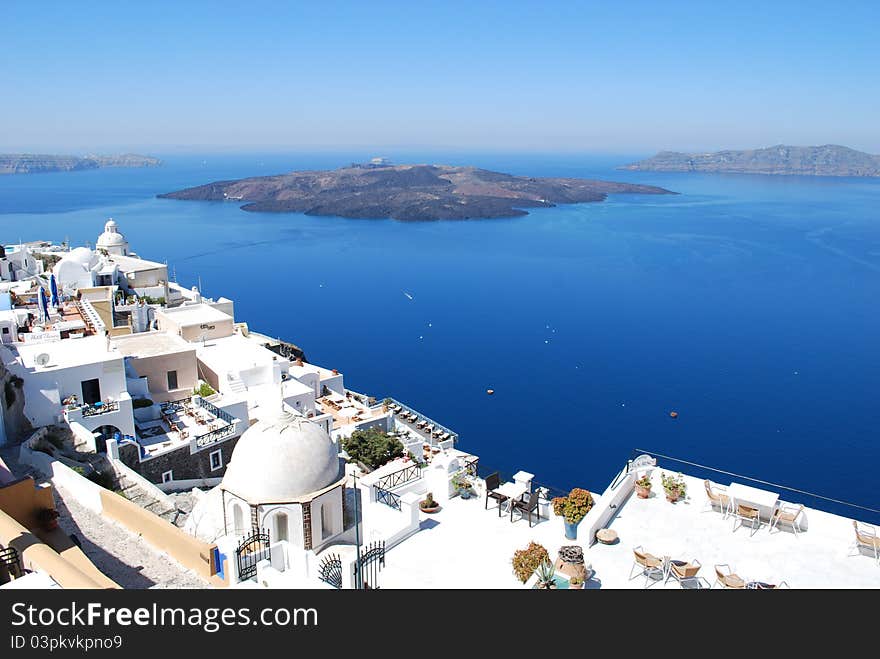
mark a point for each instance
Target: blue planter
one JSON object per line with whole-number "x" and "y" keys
{"x": 465, "y": 493}
{"x": 571, "y": 531}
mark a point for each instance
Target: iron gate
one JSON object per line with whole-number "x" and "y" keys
{"x": 371, "y": 561}
{"x": 330, "y": 570}
{"x": 251, "y": 551}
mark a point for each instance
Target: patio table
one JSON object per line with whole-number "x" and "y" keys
{"x": 513, "y": 491}
{"x": 763, "y": 500}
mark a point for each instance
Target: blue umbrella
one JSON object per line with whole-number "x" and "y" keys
{"x": 53, "y": 286}
{"x": 44, "y": 304}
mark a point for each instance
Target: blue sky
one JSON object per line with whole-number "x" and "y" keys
{"x": 556, "y": 76}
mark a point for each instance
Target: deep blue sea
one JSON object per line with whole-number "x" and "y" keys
{"x": 748, "y": 304}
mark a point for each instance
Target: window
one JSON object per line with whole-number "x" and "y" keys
{"x": 237, "y": 519}
{"x": 168, "y": 476}
{"x": 6, "y": 330}
{"x": 172, "y": 380}
{"x": 216, "y": 458}
{"x": 326, "y": 522}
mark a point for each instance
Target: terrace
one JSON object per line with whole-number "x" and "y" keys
{"x": 348, "y": 410}
{"x": 463, "y": 536}
{"x": 184, "y": 421}
{"x": 421, "y": 426}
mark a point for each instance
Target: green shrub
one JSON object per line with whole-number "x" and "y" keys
{"x": 372, "y": 447}
{"x": 139, "y": 403}
{"x": 204, "y": 390}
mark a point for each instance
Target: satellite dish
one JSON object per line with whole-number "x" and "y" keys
{"x": 42, "y": 359}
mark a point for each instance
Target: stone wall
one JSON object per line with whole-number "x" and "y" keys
{"x": 182, "y": 464}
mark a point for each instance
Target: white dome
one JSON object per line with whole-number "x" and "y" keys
{"x": 281, "y": 460}
{"x": 81, "y": 255}
{"x": 111, "y": 236}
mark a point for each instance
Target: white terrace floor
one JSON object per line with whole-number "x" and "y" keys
{"x": 465, "y": 546}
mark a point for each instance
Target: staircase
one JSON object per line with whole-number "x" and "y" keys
{"x": 136, "y": 494}
{"x": 236, "y": 384}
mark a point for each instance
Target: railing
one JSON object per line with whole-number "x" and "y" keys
{"x": 818, "y": 501}
{"x": 104, "y": 408}
{"x": 215, "y": 435}
{"x": 471, "y": 465}
{"x": 421, "y": 417}
{"x": 388, "y": 498}
{"x": 216, "y": 411}
{"x": 173, "y": 405}
{"x": 399, "y": 477}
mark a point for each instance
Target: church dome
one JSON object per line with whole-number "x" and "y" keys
{"x": 281, "y": 460}
{"x": 82, "y": 256}
{"x": 111, "y": 236}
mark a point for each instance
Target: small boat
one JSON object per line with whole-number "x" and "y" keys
{"x": 490, "y": 391}
{"x": 673, "y": 414}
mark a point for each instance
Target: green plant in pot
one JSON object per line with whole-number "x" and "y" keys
{"x": 48, "y": 518}
{"x": 463, "y": 484}
{"x": 526, "y": 561}
{"x": 643, "y": 486}
{"x": 674, "y": 486}
{"x": 428, "y": 505}
{"x": 546, "y": 576}
{"x": 573, "y": 508}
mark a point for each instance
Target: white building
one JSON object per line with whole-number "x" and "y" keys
{"x": 285, "y": 478}
{"x": 112, "y": 241}
{"x": 85, "y": 372}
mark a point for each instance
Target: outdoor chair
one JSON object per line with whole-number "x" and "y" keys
{"x": 683, "y": 571}
{"x": 725, "y": 576}
{"x": 789, "y": 514}
{"x": 743, "y": 513}
{"x": 718, "y": 498}
{"x": 760, "y": 585}
{"x": 866, "y": 536}
{"x": 526, "y": 507}
{"x": 493, "y": 481}
{"x": 647, "y": 564}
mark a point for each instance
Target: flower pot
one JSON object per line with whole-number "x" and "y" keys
{"x": 642, "y": 492}
{"x": 434, "y": 509}
{"x": 571, "y": 531}
{"x": 465, "y": 493}
{"x": 673, "y": 495}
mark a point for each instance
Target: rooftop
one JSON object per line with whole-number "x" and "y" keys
{"x": 194, "y": 314}
{"x": 134, "y": 264}
{"x": 150, "y": 344}
{"x": 67, "y": 353}
{"x": 463, "y": 536}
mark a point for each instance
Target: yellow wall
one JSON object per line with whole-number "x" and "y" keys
{"x": 160, "y": 533}
{"x": 22, "y": 499}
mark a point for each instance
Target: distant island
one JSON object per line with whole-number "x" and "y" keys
{"x": 29, "y": 163}
{"x": 827, "y": 160}
{"x": 406, "y": 192}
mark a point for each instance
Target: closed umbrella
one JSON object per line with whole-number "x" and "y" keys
{"x": 53, "y": 287}
{"x": 44, "y": 305}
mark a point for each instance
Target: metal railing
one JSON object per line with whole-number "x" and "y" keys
{"x": 215, "y": 435}
{"x": 399, "y": 477}
{"x": 421, "y": 417}
{"x": 388, "y": 498}
{"x": 818, "y": 501}
{"x": 104, "y": 408}
{"x": 216, "y": 411}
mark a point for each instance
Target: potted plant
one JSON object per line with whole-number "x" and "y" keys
{"x": 428, "y": 505}
{"x": 573, "y": 508}
{"x": 643, "y": 487}
{"x": 546, "y": 576}
{"x": 463, "y": 484}
{"x": 48, "y": 518}
{"x": 526, "y": 561}
{"x": 674, "y": 486}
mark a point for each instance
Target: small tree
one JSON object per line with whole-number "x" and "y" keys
{"x": 372, "y": 447}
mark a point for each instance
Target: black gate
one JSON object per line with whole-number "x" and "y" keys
{"x": 371, "y": 561}
{"x": 10, "y": 560}
{"x": 330, "y": 570}
{"x": 251, "y": 551}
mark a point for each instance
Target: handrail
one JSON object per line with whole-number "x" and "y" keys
{"x": 388, "y": 497}
{"x": 453, "y": 435}
{"x": 758, "y": 480}
{"x": 399, "y": 477}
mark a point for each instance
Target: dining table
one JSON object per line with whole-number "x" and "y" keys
{"x": 764, "y": 500}
{"x": 512, "y": 490}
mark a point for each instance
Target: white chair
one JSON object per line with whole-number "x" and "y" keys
{"x": 647, "y": 564}
{"x": 790, "y": 514}
{"x": 744, "y": 513}
{"x": 716, "y": 496}
{"x": 866, "y": 537}
{"x": 727, "y": 578}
